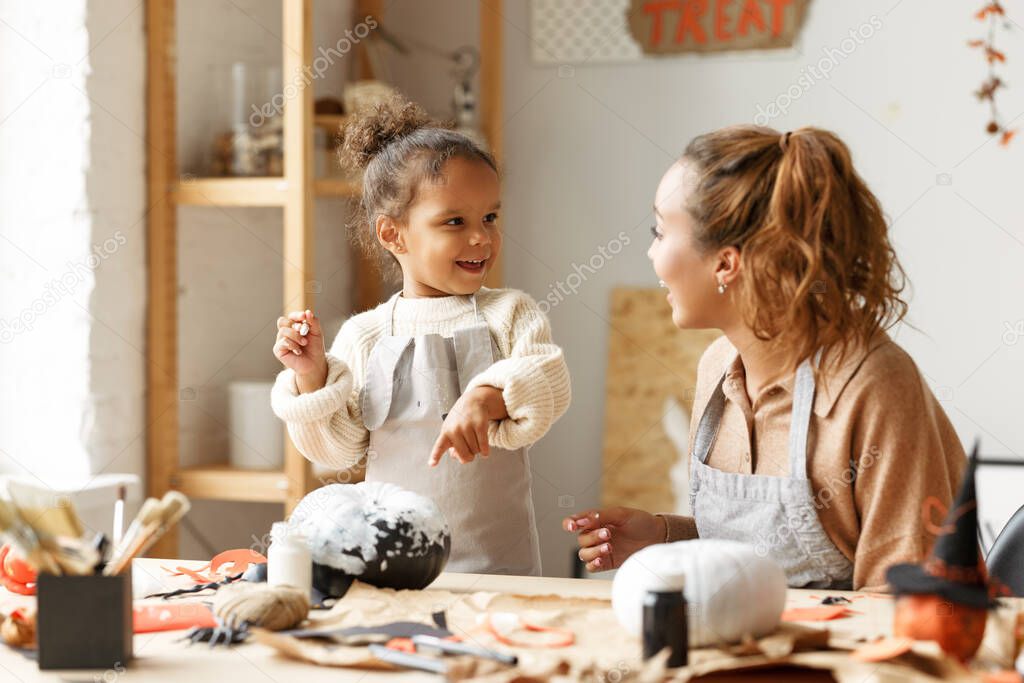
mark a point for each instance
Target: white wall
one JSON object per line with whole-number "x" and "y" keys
{"x": 585, "y": 152}
{"x": 72, "y": 238}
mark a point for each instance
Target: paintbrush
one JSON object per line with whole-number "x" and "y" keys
{"x": 165, "y": 515}
{"x": 118, "y": 530}
{"x": 47, "y": 514}
{"x": 408, "y": 661}
{"x": 146, "y": 514}
{"x": 456, "y": 648}
{"x": 45, "y": 552}
{"x": 172, "y": 508}
{"x": 25, "y": 539}
{"x": 75, "y": 556}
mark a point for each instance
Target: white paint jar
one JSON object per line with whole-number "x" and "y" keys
{"x": 289, "y": 561}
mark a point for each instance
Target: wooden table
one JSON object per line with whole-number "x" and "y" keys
{"x": 160, "y": 658}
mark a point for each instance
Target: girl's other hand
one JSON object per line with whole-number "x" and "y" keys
{"x": 302, "y": 353}
{"x": 609, "y": 536}
{"x": 464, "y": 430}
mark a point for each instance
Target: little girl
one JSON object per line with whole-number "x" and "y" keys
{"x": 446, "y": 366}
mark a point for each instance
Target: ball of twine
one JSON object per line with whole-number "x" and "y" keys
{"x": 274, "y": 608}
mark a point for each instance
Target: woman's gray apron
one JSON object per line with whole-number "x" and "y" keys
{"x": 411, "y": 384}
{"x": 777, "y": 515}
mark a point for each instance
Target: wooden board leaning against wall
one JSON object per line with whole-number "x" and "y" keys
{"x": 650, "y": 363}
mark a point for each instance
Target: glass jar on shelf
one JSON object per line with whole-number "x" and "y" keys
{"x": 249, "y": 129}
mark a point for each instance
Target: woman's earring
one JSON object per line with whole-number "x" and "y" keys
{"x": 721, "y": 287}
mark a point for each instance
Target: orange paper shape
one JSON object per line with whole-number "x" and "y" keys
{"x": 171, "y": 617}
{"x": 816, "y": 613}
{"x": 402, "y": 645}
{"x": 240, "y": 560}
{"x": 196, "y": 576}
{"x": 504, "y": 625}
{"x": 228, "y": 562}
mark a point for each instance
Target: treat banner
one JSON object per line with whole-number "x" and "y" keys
{"x": 574, "y": 32}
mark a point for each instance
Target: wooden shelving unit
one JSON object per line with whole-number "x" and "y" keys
{"x": 295, "y": 192}
{"x": 336, "y": 187}
{"x": 221, "y": 482}
{"x": 231, "y": 191}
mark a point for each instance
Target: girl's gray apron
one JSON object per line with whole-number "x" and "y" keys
{"x": 777, "y": 515}
{"x": 411, "y": 384}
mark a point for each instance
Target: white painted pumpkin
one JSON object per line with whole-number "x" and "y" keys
{"x": 731, "y": 590}
{"x": 374, "y": 531}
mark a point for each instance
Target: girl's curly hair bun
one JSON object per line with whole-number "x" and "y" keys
{"x": 366, "y": 133}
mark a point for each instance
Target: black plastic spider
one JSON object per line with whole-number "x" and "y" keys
{"x": 229, "y": 633}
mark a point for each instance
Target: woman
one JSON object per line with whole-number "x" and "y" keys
{"x": 815, "y": 439}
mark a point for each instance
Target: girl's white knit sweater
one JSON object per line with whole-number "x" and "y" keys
{"x": 326, "y": 425}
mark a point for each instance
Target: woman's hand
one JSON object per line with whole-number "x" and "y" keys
{"x": 607, "y": 537}
{"x": 464, "y": 430}
{"x": 302, "y": 353}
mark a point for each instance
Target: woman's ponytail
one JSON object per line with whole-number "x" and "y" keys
{"x": 818, "y": 267}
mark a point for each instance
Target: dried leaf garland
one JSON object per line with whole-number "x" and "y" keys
{"x": 993, "y": 13}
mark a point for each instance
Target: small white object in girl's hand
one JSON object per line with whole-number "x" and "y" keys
{"x": 304, "y": 328}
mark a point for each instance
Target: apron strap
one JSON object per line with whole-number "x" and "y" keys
{"x": 474, "y": 353}
{"x": 707, "y": 428}
{"x": 474, "y": 350}
{"x": 803, "y": 402}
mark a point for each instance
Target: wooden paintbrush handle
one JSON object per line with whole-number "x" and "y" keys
{"x": 118, "y": 563}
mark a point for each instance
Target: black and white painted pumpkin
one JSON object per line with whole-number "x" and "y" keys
{"x": 375, "y": 532}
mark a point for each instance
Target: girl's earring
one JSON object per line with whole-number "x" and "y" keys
{"x": 721, "y": 287}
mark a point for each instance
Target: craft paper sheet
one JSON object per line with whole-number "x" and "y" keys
{"x": 603, "y": 651}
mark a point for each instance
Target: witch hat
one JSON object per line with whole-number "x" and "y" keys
{"x": 954, "y": 570}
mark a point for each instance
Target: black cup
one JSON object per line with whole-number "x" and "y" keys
{"x": 84, "y": 622}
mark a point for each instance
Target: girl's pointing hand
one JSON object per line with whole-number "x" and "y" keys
{"x": 464, "y": 431}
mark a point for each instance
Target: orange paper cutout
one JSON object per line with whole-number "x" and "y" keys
{"x": 230, "y": 561}
{"x": 816, "y": 613}
{"x": 171, "y": 617}
{"x": 567, "y": 636}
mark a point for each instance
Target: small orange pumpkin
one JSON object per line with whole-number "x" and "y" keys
{"x": 958, "y": 629}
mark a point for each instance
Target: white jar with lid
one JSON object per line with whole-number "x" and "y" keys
{"x": 289, "y": 561}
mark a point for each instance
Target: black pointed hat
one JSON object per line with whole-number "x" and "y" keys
{"x": 954, "y": 570}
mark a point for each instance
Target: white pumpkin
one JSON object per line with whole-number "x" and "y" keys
{"x": 730, "y": 589}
